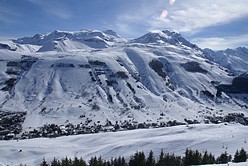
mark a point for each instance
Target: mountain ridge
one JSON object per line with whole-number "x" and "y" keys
{"x": 155, "y": 36}
{"x": 233, "y": 59}
{"x": 95, "y": 76}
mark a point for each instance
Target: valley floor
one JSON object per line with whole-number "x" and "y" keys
{"x": 214, "y": 138}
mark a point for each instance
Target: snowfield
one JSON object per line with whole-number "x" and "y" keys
{"x": 214, "y": 138}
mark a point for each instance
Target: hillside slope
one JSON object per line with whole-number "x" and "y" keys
{"x": 235, "y": 60}
{"x": 214, "y": 138}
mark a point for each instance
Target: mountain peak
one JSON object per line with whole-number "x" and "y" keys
{"x": 171, "y": 32}
{"x": 164, "y": 37}
{"x": 65, "y": 40}
{"x": 111, "y": 32}
{"x": 155, "y": 36}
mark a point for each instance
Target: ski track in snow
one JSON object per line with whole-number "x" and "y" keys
{"x": 213, "y": 138}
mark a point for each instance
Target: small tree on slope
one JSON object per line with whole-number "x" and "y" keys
{"x": 240, "y": 156}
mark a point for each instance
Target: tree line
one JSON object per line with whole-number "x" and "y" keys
{"x": 192, "y": 157}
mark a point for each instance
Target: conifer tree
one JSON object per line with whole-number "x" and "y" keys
{"x": 138, "y": 159}
{"x": 55, "y": 162}
{"x": 93, "y": 161}
{"x": 65, "y": 162}
{"x": 205, "y": 158}
{"x": 70, "y": 162}
{"x": 120, "y": 161}
{"x": 150, "y": 159}
{"x": 243, "y": 155}
{"x": 44, "y": 163}
{"x": 223, "y": 158}
{"x": 172, "y": 160}
{"x": 161, "y": 159}
{"x": 81, "y": 162}
{"x": 99, "y": 161}
{"x": 240, "y": 156}
{"x": 197, "y": 157}
{"x": 76, "y": 161}
{"x": 208, "y": 158}
{"x": 188, "y": 157}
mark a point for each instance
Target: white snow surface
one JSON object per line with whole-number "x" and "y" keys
{"x": 235, "y": 60}
{"x": 213, "y": 138}
{"x": 68, "y": 41}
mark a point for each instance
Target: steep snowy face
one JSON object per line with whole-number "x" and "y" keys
{"x": 235, "y": 60}
{"x": 164, "y": 37}
{"x": 66, "y": 41}
{"x": 112, "y": 33}
{"x": 11, "y": 46}
{"x": 7, "y": 46}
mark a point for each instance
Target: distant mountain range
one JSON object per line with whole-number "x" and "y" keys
{"x": 94, "y": 77}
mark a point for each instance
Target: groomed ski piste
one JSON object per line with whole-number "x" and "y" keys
{"x": 213, "y": 138}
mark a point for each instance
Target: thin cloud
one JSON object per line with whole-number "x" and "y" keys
{"x": 189, "y": 16}
{"x": 7, "y": 38}
{"x": 55, "y": 8}
{"x": 216, "y": 43}
{"x": 194, "y": 15}
{"x": 137, "y": 18}
{"x": 7, "y": 14}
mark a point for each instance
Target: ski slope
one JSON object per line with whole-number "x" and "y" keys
{"x": 213, "y": 138}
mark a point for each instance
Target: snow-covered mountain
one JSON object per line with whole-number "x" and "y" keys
{"x": 62, "y": 41}
{"x": 92, "y": 77}
{"x": 235, "y": 60}
{"x": 164, "y": 37}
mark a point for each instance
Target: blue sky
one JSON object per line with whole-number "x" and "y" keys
{"x": 217, "y": 24}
